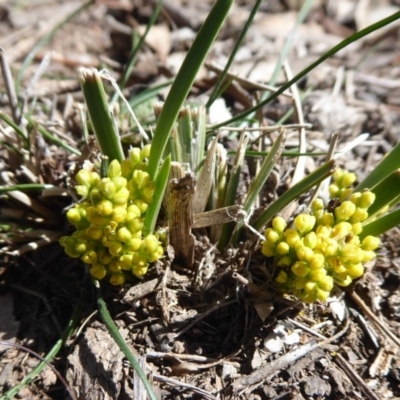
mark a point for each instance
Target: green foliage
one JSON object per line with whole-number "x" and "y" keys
{"x": 109, "y": 220}
{"x": 323, "y": 247}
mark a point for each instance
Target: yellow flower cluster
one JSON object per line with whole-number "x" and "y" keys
{"x": 109, "y": 220}
{"x": 323, "y": 247}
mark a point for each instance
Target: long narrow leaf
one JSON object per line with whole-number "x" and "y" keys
{"x": 154, "y": 208}
{"x": 351, "y": 39}
{"x": 96, "y": 102}
{"x": 388, "y": 164}
{"x": 381, "y": 225}
{"x": 266, "y": 168}
{"x": 114, "y": 332}
{"x": 216, "y": 91}
{"x": 46, "y": 134}
{"x": 295, "y": 191}
{"x": 386, "y": 192}
{"x": 184, "y": 80}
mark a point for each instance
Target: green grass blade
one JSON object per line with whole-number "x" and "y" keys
{"x": 266, "y": 168}
{"x": 216, "y": 91}
{"x": 132, "y": 57}
{"x": 295, "y": 191}
{"x": 148, "y": 93}
{"x": 184, "y": 80}
{"x": 16, "y": 128}
{"x": 102, "y": 123}
{"x": 46, "y": 134}
{"x": 114, "y": 332}
{"x": 232, "y": 189}
{"x": 304, "y": 11}
{"x": 381, "y": 225}
{"x": 351, "y": 39}
{"x": 26, "y": 186}
{"x": 28, "y": 60}
{"x": 388, "y": 164}
{"x": 386, "y": 192}
{"x": 154, "y": 208}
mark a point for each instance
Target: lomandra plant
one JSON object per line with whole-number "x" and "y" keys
{"x": 121, "y": 194}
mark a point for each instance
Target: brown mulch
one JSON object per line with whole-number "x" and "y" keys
{"x": 218, "y": 331}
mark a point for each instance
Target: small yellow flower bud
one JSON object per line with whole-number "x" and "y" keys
{"x": 328, "y": 219}
{"x": 282, "y": 277}
{"x": 94, "y": 232}
{"x": 369, "y": 255}
{"x": 304, "y": 222}
{"x": 89, "y": 257}
{"x": 134, "y": 155}
{"x": 355, "y": 198}
{"x": 284, "y": 261}
{"x": 136, "y": 225}
{"x": 134, "y": 244}
{"x": 96, "y": 196}
{"x": 125, "y": 261}
{"x": 95, "y": 217}
{"x": 83, "y": 178}
{"x": 345, "y": 211}
{"x": 310, "y": 287}
{"x": 317, "y": 261}
{"x": 367, "y": 199}
{"x": 279, "y": 224}
{"x": 268, "y": 249}
{"x": 323, "y": 232}
{"x": 356, "y": 228}
{"x": 303, "y": 253}
{"x": 322, "y": 295}
{"x": 119, "y": 183}
{"x": 124, "y": 235}
{"x": 331, "y": 248}
{"x": 344, "y": 282}
{"x": 126, "y": 168}
{"x": 104, "y": 257}
{"x": 113, "y": 267}
{"x": 348, "y": 179}
{"x": 338, "y": 175}
{"x": 83, "y": 191}
{"x": 115, "y": 248}
{"x": 132, "y": 212}
{"x": 341, "y": 230}
{"x": 98, "y": 271}
{"x": 355, "y": 270}
{"x": 317, "y": 275}
{"x": 292, "y": 236}
{"x": 333, "y": 191}
{"x": 145, "y": 152}
{"x": 114, "y": 169}
{"x": 326, "y": 283}
{"x": 119, "y": 214}
{"x": 121, "y": 197}
{"x": 300, "y": 269}
{"x": 271, "y": 235}
{"x": 139, "y": 270}
{"x": 150, "y": 244}
{"x": 359, "y": 215}
{"x": 107, "y": 188}
{"x": 317, "y": 205}
{"x": 105, "y": 208}
{"x": 117, "y": 279}
{"x": 74, "y": 215}
{"x": 310, "y": 240}
{"x": 282, "y": 248}
{"x": 370, "y": 243}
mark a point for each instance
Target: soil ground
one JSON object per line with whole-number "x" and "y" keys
{"x": 218, "y": 331}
